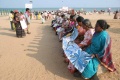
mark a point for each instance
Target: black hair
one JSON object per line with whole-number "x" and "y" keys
{"x": 72, "y": 16}
{"x": 62, "y": 15}
{"x": 11, "y": 12}
{"x": 116, "y": 12}
{"x": 68, "y": 30}
{"x": 87, "y": 23}
{"x": 15, "y": 15}
{"x": 27, "y": 9}
{"x": 79, "y": 19}
{"x": 103, "y": 24}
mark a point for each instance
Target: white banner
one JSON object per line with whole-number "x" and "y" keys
{"x": 23, "y": 24}
{"x": 28, "y": 6}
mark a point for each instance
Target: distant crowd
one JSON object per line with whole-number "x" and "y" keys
{"x": 16, "y": 17}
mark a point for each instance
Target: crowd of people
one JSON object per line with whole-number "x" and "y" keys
{"x": 85, "y": 47}
{"x": 16, "y": 16}
{"x": 43, "y": 15}
{"x": 15, "y": 20}
{"x": 20, "y": 22}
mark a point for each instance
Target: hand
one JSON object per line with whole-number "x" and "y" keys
{"x": 92, "y": 55}
{"x": 80, "y": 45}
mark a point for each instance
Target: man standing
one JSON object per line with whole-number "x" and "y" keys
{"x": 27, "y": 15}
{"x": 109, "y": 10}
{"x": 45, "y": 14}
{"x": 36, "y": 14}
{"x": 11, "y": 15}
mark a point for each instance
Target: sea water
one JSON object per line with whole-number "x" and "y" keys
{"x": 54, "y": 9}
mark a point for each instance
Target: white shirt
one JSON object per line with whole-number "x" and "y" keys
{"x": 45, "y": 14}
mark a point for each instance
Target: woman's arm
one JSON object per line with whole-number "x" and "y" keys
{"x": 97, "y": 46}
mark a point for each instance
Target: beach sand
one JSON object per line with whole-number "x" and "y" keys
{"x": 38, "y": 56}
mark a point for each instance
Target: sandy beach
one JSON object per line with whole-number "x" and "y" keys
{"x": 38, "y": 56}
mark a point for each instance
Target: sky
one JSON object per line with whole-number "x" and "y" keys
{"x": 60, "y": 3}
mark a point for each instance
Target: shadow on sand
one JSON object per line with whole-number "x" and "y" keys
{"x": 8, "y": 34}
{"x": 6, "y": 29}
{"x": 47, "y": 49}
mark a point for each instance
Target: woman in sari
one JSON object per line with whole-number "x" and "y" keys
{"x": 86, "y": 24}
{"x": 98, "y": 52}
{"x": 19, "y": 31}
{"x": 117, "y": 15}
{"x": 80, "y": 30}
{"x": 100, "y": 46}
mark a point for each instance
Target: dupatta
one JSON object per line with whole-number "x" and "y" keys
{"x": 106, "y": 59}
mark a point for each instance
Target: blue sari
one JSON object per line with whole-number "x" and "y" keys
{"x": 97, "y": 46}
{"x": 82, "y": 60}
{"x": 77, "y": 57}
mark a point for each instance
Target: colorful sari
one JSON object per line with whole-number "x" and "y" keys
{"x": 100, "y": 46}
{"x": 106, "y": 59}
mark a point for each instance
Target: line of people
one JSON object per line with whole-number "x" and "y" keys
{"x": 85, "y": 47}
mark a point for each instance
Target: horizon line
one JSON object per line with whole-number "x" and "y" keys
{"x": 63, "y": 6}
